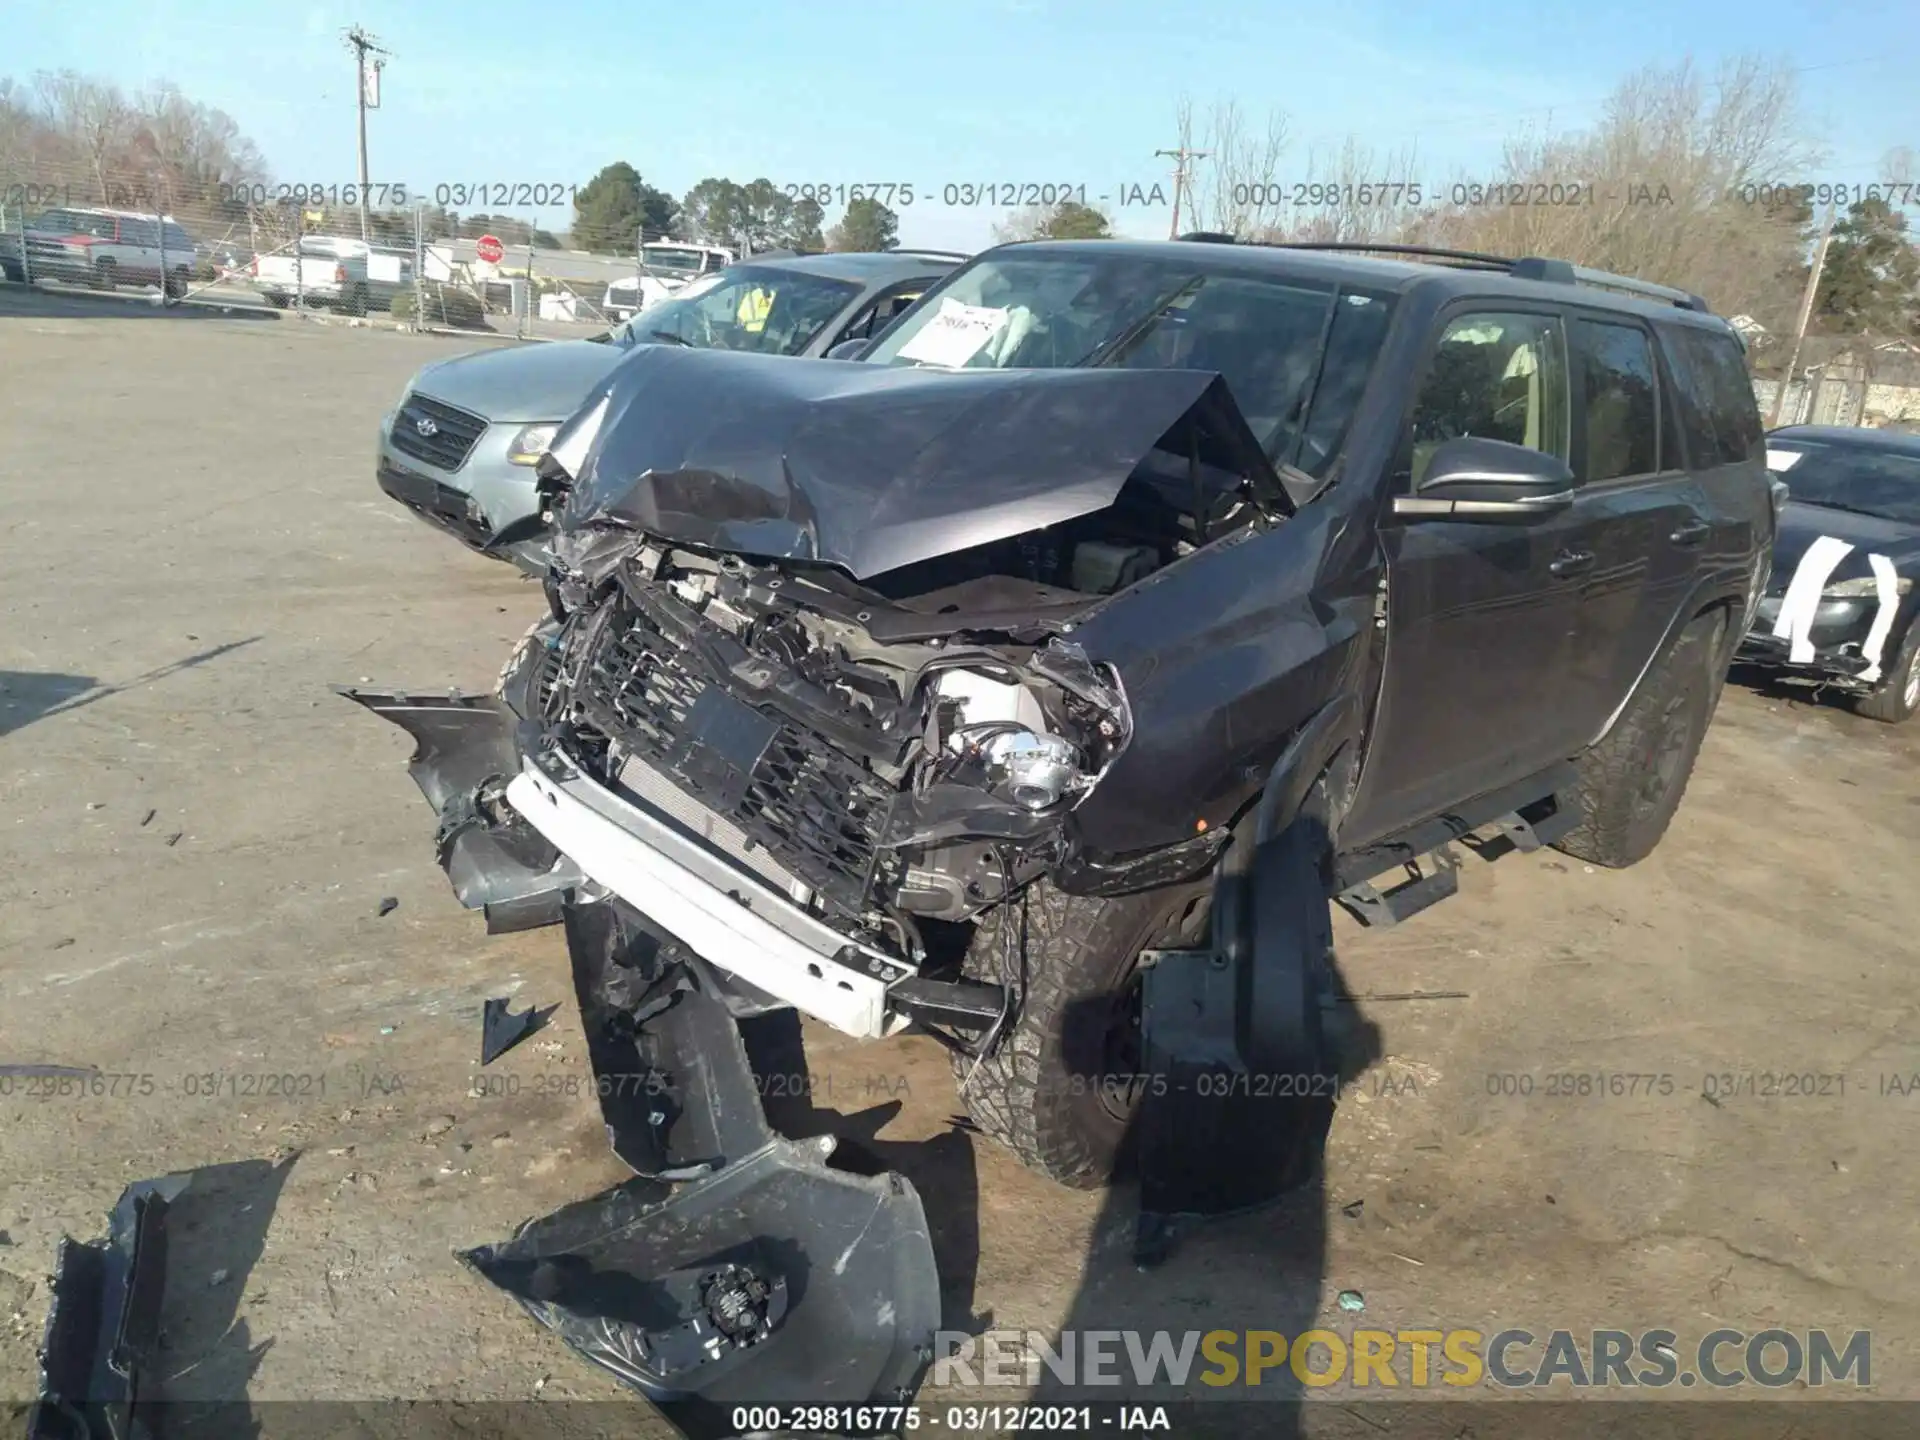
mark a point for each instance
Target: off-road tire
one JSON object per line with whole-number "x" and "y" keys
{"x": 1040, "y": 1094}
{"x": 1898, "y": 697}
{"x": 1631, "y": 783}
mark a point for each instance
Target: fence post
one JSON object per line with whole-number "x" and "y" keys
{"x": 160, "y": 224}
{"x": 526, "y": 309}
{"x": 419, "y": 264}
{"x": 26, "y": 260}
{"x": 299, "y": 267}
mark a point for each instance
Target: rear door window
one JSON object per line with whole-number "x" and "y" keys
{"x": 140, "y": 232}
{"x": 1718, "y": 411}
{"x": 1619, "y": 395}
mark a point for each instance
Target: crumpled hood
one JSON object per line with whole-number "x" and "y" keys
{"x": 871, "y": 467}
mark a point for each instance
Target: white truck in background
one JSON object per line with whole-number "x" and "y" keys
{"x": 334, "y": 273}
{"x": 665, "y": 267}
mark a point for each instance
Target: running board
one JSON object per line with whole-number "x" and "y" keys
{"x": 1527, "y": 816}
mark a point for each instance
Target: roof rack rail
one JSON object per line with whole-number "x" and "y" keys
{"x": 930, "y": 254}
{"x": 1530, "y": 267}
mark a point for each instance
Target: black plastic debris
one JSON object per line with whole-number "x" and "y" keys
{"x": 774, "y": 1280}
{"x": 737, "y": 1265}
{"x": 676, "y": 1089}
{"x": 501, "y": 1030}
{"x": 1241, "y": 1085}
{"x": 103, "y": 1321}
{"x": 388, "y": 904}
{"x": 463, "y": 757}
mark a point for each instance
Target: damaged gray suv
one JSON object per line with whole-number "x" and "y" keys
{"x": 1037, "y": 680}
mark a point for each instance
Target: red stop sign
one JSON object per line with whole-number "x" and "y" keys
{"x": 489, "y": 249}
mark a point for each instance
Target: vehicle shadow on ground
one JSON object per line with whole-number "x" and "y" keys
{"x": 36, "y": 302}
{"x": 1768, "y": 685}
{"x": 30, "y": 695}
{"x": 216, "y": 1232}
{"x": 1264, "y": 1269}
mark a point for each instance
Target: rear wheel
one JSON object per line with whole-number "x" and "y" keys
{"x": 1060, "y": 1090}
{"x": 178, "y": 283}
{"x": 1630, "y": 784}
{"x": 1898, "y": 697}
{"x": 356, "y": 301}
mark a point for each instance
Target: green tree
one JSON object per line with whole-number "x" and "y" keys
{"x": 1069, "y": 220}
{"x": 867, "y": 225}
{"x": 1871, "y": 280}
{"x": 718, "y": 211}
{"x": 611, "y": 210}
{"x": 803, "y": 227}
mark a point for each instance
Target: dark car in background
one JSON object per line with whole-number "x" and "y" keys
{"x": 459, "y": 448}
{"x": 1841, "y": 610}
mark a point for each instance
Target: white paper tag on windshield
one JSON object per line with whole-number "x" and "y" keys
{"x": 1778, "y": 459}
{"x": 955, "y": 334}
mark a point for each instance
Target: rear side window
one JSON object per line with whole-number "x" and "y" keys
{"x": 139, "y": 232}
{"x": 1718, "y": 411}
{"x": 177, "y": 239}
{"x": 1618, "y": 394}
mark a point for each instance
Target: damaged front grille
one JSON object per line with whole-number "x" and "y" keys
{"x": 816, "y": 812}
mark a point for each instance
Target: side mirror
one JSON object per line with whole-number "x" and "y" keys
{"x": 847, "y": 349}
{"x": 1475, "y": 479}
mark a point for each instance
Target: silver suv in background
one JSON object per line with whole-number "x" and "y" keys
{"x": 459, "y": 448}
{"x": 102, "y": 248}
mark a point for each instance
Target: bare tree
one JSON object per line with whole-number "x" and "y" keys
{"x": 92, "y": 117}
{"x": 1237, "y": 187}
{"x": 1351, "y": 196}
{"x": 1684, "y": 180}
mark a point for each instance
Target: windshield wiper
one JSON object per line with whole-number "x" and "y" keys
{"x": 1134, "y": 333}
{"x": 668, "y": 335}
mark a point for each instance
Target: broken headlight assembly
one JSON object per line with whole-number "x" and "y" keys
{"x": 1032, "y": 746}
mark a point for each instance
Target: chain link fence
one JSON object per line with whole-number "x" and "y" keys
{"x": 139, "y": 231}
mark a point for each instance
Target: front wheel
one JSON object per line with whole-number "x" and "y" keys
{"x": 1630, "y": 783}
{"x": 106, "y": 275}
{"x": 1898, "y": 697}
{"x": 1061, "y": 1088}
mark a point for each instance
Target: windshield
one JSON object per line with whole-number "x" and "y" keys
{"x": 750, "y": 307}
{"x": 1295, "y": 354}
{"x": 1873, "y": 482}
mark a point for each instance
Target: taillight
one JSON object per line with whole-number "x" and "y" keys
{"x": 339, "y": 274}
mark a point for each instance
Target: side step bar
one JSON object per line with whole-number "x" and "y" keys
{"x": 1527, "y": 816}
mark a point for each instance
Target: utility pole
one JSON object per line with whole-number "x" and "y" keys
{"x": 1806, "y": 314}
{"x": 362, "y": 44}
{"x": 1180, "y": 158}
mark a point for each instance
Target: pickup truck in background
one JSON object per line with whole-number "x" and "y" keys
{"x": 101, "y": 248}
{"x": 349, "y": 276}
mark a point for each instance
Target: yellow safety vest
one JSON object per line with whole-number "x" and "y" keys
{"x": 752, "y": 313}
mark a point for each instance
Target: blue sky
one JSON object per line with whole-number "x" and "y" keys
{"x": 1062, "y": 91}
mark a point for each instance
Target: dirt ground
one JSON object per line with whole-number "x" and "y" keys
{"x": 199, "y": 840}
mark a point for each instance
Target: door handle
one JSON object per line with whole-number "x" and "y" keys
{"x": 1571, "y": 562}
{"x": 1691, "y": 533}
